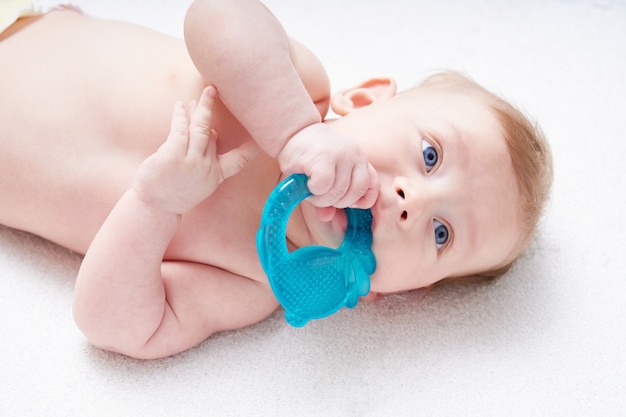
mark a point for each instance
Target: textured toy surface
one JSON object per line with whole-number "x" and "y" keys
{"x": 314, "y": 281}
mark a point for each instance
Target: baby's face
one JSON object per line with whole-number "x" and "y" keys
{"x": 449, "y": 201}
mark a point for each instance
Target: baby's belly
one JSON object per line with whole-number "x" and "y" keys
{"x": 63, "y": 199}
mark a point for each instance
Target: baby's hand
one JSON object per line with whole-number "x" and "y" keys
{"x": 186, "y": 169}
{"x": 339, "y": 174}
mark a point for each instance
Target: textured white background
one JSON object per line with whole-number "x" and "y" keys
{"x": 546, "y": 340}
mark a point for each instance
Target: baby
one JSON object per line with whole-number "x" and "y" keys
{"x": 166, "y": 206}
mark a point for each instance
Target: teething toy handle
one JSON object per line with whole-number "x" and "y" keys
{"x": 281, "y": 203}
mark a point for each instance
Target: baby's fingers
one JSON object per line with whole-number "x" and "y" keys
{"x": 235, "y": 160}
{"x": 370, "y": 197}
{"x": 200, "y": 126}
{"x": 358, "y": 188}
{"x": 358, "y": 183}
{"x": 177, "y": 139}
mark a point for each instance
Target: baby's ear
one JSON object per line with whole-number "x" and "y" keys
{"x": 362, "y": 95}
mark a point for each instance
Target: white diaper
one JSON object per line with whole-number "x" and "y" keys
{"x": 11, "y": 10}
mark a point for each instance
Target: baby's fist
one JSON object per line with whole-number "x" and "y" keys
{"x": 339, "y": 174}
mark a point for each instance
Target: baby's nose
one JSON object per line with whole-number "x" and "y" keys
{"x": 413, "y": 203}
{"x": 405, "y": 214}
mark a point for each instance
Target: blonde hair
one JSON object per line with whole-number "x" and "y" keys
{"x": 530, "y": 154}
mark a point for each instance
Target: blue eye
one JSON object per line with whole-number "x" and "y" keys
{"x": 441, "y": 234}
{"x": 430, "y": 155}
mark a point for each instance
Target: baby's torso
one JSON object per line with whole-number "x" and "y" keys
{"x": 81, "y": 108}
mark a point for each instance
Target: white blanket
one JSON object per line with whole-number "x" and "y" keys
{"x": 545, "y": 340}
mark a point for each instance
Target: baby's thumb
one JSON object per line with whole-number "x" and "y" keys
{"x": 371, "y": 195}
{"x": 235, "y": 160}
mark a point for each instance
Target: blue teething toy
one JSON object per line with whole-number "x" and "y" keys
{"x": 314, "y": 281}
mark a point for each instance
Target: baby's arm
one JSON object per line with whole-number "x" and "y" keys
{"x": 127, "y": 299}
{"x": 241, "y": 48}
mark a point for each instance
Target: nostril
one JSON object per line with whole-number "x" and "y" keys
{"x": 400, "y": 192}
{"x": 404, "y": 215}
